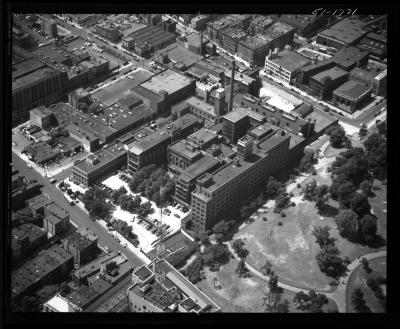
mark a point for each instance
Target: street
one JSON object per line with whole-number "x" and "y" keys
{"x": 79, "y": 217}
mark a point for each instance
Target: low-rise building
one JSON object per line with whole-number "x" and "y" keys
{"x": 305, "y": 25}
{"x": 237, "y": 122}
{"x": 181, "y": 155}
{"x": 98, "y": 165}
{"x": 37, "y": 203}
{"x": 52, "y": 265}
{"x": 41, "y": 117}
{"x": 159, "y": 287}
{"x": 285, "y": 65}
{"x": 215, "y": 27}
{"x": 322, "y": 84}
{"x": 21, "y": 191}
{"x": 349, "y": 57}
{"x": 375, "y": 44}
{"x": 348, "y": 31}
{"x": 56, "y": 219}
{"x": 49, "y": 26}
{"x": 81, "y": 247}
{"x": 153, "y": 148}
{"x": 25, "y": 239}
{"x": 199, "y": 22}
{"x": 109, "y": 31}
{"x": 351, "y": 96}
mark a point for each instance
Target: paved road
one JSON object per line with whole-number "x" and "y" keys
{"x": 77, "y": 215}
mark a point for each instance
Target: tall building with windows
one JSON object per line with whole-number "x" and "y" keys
{"x": 222, "y": 189}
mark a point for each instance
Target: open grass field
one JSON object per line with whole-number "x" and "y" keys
{"x": 242, "y": 294}
{"x": 291, "y": 247}
{"x": 359, "y": 278}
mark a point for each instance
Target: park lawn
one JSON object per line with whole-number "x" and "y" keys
{"x": 358, "y": 279}
{"x": 292, "y": 248}
{"x": 243, "y": 294}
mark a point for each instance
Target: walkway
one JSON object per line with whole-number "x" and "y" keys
{"x": 338, "y": 296}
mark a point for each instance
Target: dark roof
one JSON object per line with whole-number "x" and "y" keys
{"x": 351, "y": 89}
{"x": 142, "y": 272}
{"x": 349, "y": 56}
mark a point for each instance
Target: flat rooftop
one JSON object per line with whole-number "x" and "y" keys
{"x": 179, "y": 54}
{"x": 349, "y": 55}
{"x": 38, "y": 268}
{"x": 104, "y": 156}
{"x": 169, "y": 81}
{"x": 228, "y": 20}
{"x": 201, "y": 105}
{"x": 256, "y": 41}
{"x": 181, "y": 148}
{"x": 154, "y": 35}
{"x": 122, "y": 87}
{"x": 363, "y": 74}
{"x": 25, "y": 67}
{"x": 33, "y": 76}
{"x": 57, "y": 210}
{"x": 352, "y": 89}
{"x": 322, "y": 120}
{"x": 333, "y": 73}
{"x": 199, "y": 167}
{"x": 38, "y": 201}
{"x": 241, "y": 112}
{"x": 277, "y": 29}
{"x": 346, "y": 31}
{"x": 78, "y": 241}
{"x": 202, "y": 136}
{"x": 290, "y": 60}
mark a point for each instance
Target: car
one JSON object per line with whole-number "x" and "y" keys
{"x": 29, "y": 166}
{"x": 177, "y": 216}
{"x": 71, "y": 203}
{"x": 108, "y": 250}
{"x": 118, "y": 240}
{"x": 53, "y": 180}
{"x": 76, "y": 201}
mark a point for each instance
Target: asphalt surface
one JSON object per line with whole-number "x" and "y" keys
{"x": 77, "y": 215}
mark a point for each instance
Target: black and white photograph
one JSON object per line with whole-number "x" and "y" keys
{"x": 198, "y": 162}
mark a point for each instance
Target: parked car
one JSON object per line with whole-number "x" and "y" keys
{"x": 107, "y": 249}
{"x": 71, "y": 203}
{"x": 177, "y": 216}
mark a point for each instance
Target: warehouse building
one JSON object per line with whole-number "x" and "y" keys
{"x": 323, "y": 83}
{"x": 351, "y": 96}
{"x": 285, "y": 65}
{"x": 349, "y": 57}
{"x": 346, "y": 32}
{"x": 306, "y": 25}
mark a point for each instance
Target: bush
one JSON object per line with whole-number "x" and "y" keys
{"x": 283, "y": 214}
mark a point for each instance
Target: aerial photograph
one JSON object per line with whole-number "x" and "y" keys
{"x": 198, "y": 163}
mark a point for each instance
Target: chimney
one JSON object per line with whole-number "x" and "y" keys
{"x": 232, "y": 85}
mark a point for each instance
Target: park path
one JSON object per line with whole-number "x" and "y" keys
{"x": 338, "y": 296}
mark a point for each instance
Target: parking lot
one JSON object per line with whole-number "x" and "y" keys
{"x": 148, "y": 230}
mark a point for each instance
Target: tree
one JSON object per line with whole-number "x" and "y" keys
{"x": 237, "y": 246}
{"x": 204, "y": 238}
{"x": 347, "y": 224}
{"x": 193, "y": 270}
{"x": 366, "y": 187}
{"x": 241, "y": 268}
{"x": 273, "y": 284}
{"x": 273, "y": 303}
{"x": 358, "y": 301}
{"x": 217, "y": 254}
{"x": 267, "y": 268}
{"x": 307, "y": 161}
{"x": 282, "y": 201}
{"x": 360, "y": 205}
{"x": 322, "y": 236}
{"x": 368, "y": 228}
{"x": 337, "y": 136}
{"x": 222, "y": 227}
{"x": 309, "y": 190}
{"x": 273, "y": 188}
{"x": 219, "y": 238}
{"x": 329, "y": 261}
{"x": 345, "y": 193}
